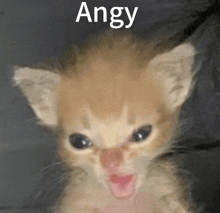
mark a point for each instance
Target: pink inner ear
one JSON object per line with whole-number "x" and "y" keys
{"x": 111, "y": 159}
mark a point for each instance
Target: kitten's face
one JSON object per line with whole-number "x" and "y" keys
{"x": 116, "y": 108}
{"x": 113, "y": 127}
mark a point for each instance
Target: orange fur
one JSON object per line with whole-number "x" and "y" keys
{"x": 109, "y": 89}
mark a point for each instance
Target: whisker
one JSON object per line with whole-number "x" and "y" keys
{"x": 51, "y": 165}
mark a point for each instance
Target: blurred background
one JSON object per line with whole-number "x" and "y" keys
{"x": 34, "y": 30}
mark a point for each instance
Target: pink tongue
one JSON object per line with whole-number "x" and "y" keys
{"x": 122, "y": 186}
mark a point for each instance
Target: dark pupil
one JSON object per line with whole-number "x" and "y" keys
{"x": 142, "y": 134}
{"x": 79, "y": 141}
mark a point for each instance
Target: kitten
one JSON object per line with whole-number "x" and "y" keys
{"x": 116, "y": 104}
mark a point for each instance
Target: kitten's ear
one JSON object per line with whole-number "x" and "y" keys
{"x": 174, "y": 70}
{"x": 40, "y": 88}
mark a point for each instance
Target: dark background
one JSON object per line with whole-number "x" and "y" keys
{"x": 34, "y": 30}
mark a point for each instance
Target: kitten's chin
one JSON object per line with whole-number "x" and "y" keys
{"x": 122, "y": 186}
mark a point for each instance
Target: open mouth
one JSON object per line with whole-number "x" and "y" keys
{"x": 122, "y": 186}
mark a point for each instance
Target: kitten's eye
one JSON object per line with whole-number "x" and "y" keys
{"x": 79, "y": 141}
{"x": 141, "y": 134}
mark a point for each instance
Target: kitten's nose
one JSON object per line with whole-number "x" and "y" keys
{"x": 111, "y": 159}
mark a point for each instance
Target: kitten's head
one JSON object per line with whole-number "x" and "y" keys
{"x": 116, "y": 109}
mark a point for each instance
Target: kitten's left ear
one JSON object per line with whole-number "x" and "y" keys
{"x": 40, "y": 88}
{"x": 174, "y": 70}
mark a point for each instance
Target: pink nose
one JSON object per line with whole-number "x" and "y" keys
{"x": 111, "y": 159}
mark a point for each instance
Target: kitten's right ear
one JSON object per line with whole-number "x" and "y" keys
{"x": 174, "y": 69}
{"x": 40, "y": 88}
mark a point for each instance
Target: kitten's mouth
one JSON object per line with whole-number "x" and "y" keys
{"x": 122, "y": 186}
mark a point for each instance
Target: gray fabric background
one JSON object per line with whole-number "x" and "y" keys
{"x": 34, "y": 30}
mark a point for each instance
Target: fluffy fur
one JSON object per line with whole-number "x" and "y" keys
{"x": 108, "y": 89}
